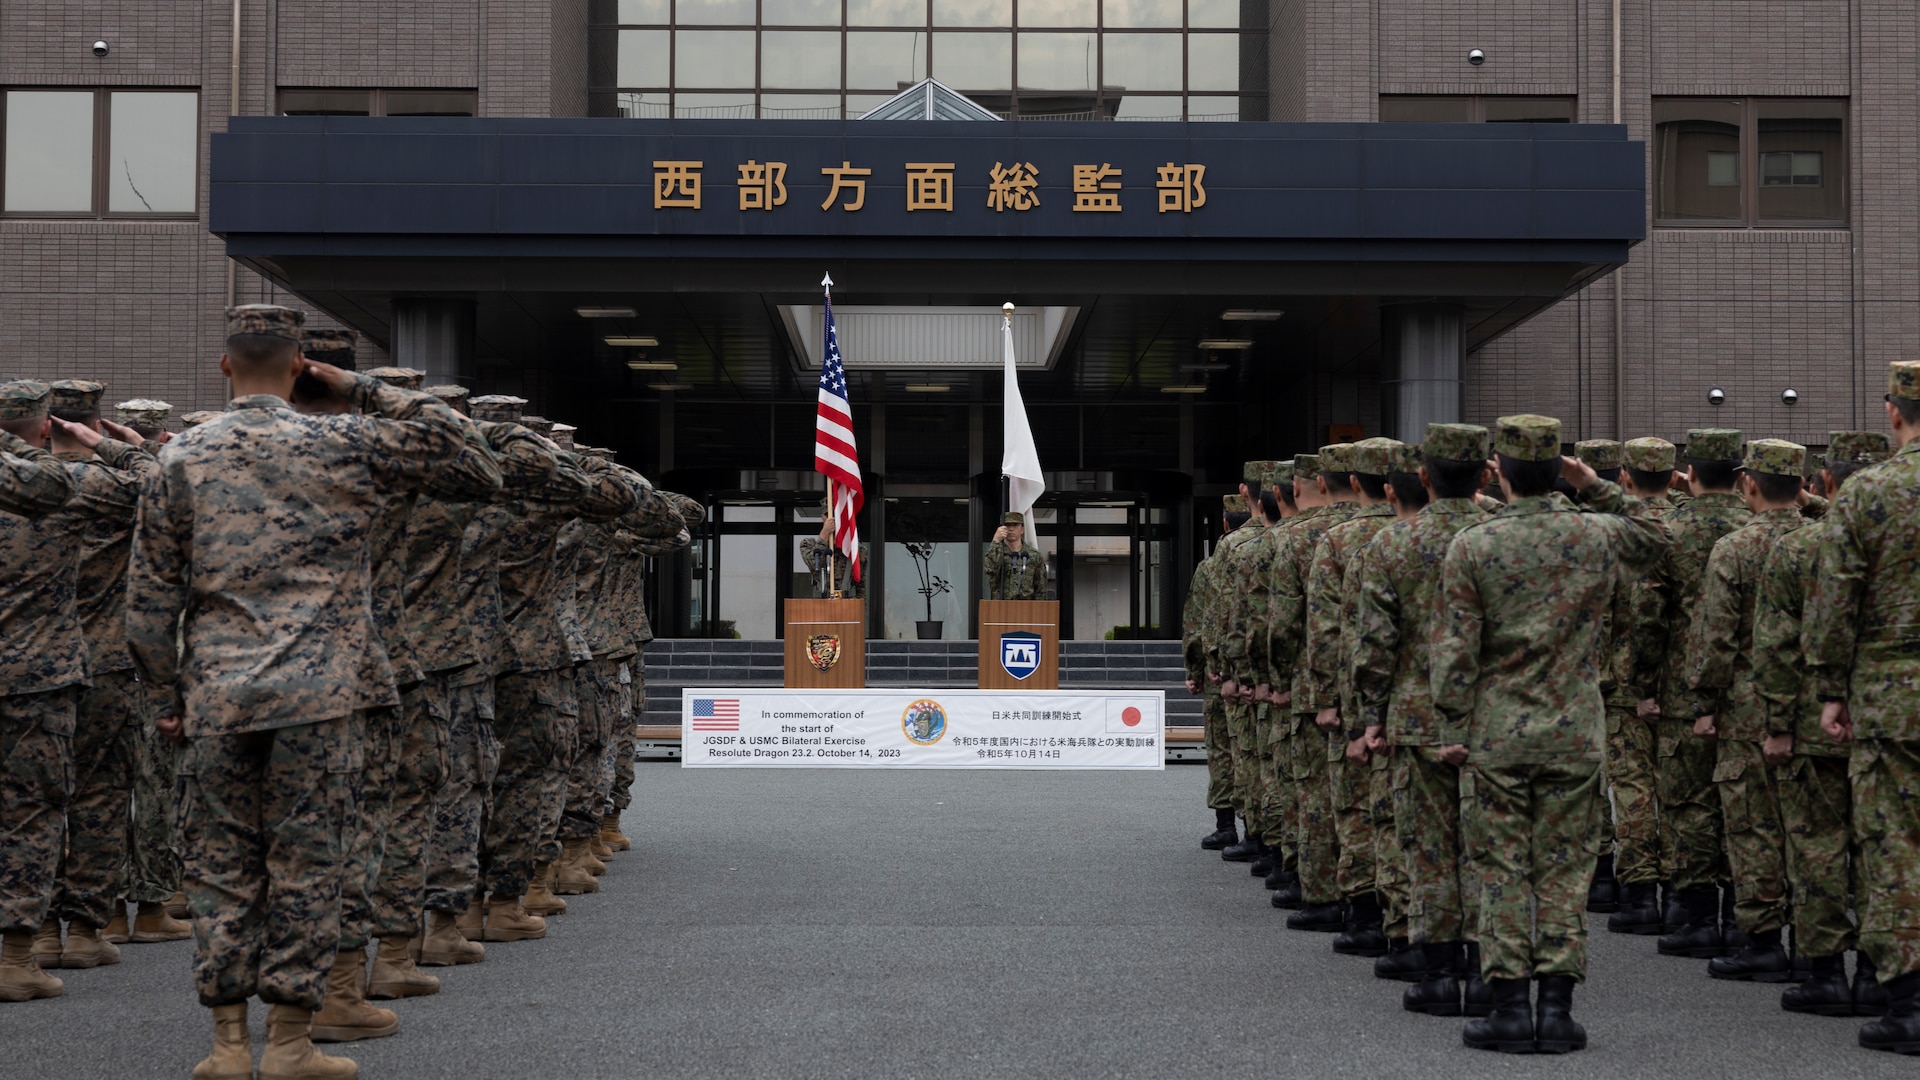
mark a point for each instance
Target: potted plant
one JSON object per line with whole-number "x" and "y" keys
{"x": 930, "y": 587}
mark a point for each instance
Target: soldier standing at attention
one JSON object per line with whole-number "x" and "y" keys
{"x": 1278, "y": 799}
{"x": 818, "y": 551}
{"x": 1240, "y": 610}
{"x": 248, "y": 595}
{"x": 1604, "y": 457}
{"x": 1016, "y": 570}
{"x": 1204, "y": 680}
{"x": 1862, "y": 636}
{"x": 1524, "y": 596}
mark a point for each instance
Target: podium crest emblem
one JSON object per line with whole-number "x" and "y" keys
{"x": 823, "y": 651}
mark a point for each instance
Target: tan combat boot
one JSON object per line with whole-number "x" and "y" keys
{"x": 611, "y": 835}
{"x": 344, "y": 1015}
{"x": 87, "y": 949}
{"x": 540, "y": 899}
{"x": 570, "y": 875}
{"x": 394, "y": 974}
{"x": 590, "y": 858}
{"x": 232, "y": 1057}
{"x": 176, "y": 904}
{"x": 117, "y": 929}
{"x": 152, "y": 924}
{"x": 473, "y": 921}
{"x": 20, "y": 976}
{"x": 508, "y": 921}
{"x": 46, "y": 943}
{"x": 597, "y": 847}
{"x": 445, "y": 945}
{"x": 290, "y": 1054}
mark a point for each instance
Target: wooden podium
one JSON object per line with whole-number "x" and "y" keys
{"x": 1009, "y": 628}
{"x": 832, "y": 633}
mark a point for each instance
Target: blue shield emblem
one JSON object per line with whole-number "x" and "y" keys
{"x": 1020, "y": 653}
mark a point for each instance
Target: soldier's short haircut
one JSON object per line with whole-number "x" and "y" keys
{"x": 1908, "y": 408}
{"x": 1610, "y": 475}
{"x": 1527, "y": 479}
{"x": 1286, "y": 493}
{"x": 1840, "y": 471}
{"x": 1776, "y": 488}
{"x": 1269, "y": 505}
{"x": 77, "y": 416}
{"x": 261, "y": 348}
{"x": 28, "y": 428}
{"x": 1454, "y": 479}
{"x": 1337, "y": 483}
{"x": 1374, "y": 484}
{"x": 1714, "y": 475}
{"x": 1651, "y": 482}
{"x": 1407, "y": 489}
{"x": 1236, "y": 518}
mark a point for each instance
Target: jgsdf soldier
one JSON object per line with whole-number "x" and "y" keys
{"x": 1196, "y": 647}
{"x": 1862, "y": 636}
{"x": 1279, "y": 800}
{"x": 1015, "y": 569}
{"x": 1524, "y": 596}
{"x": 1605, "y": 457}
{"x": 1240, "y": 614}
{"x": 830, "y": 567}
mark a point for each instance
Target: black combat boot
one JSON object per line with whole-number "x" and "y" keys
{"x": 1763, "y": 960}
{"x": 1603, "y": 896}
{"x": 1732, "y": 938}
{"x": 1279, "y": 876}
{"x": 1287, "y": 896}
{"x": 1825, "y": 993}
{"x": 1438, "y": 991}
{"x": 1869, "y": 997}
{"x": 1899, "y": 1030}
{"x": 1555, "y": 1031}
{"x": 1224, "y": 831}
{"x": 1320, "y": 918}
{"x": 1265, "y": 862}
{"x": 1673, "y": 911}
{"x": 1363, "y": 936}
{"x": 1699, "y": 936}
{"x": 1802, "y": 963}
{"x": 1247, "y": 850}
{"x": 1508, "y": 1028}
{"x": 1639, "y": 910}
{"x": 1476, "y": 997}
{"x": 1403, "y": 963}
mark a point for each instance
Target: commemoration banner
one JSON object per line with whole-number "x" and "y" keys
{"x": 923, "y": 729}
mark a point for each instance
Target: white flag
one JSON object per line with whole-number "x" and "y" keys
{"x": 1019, "y": 461}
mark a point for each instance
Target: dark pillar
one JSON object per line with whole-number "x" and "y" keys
{"x": 435, "y": 336}
{"x": 1420, "y": 368}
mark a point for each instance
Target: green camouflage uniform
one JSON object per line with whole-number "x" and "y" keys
{"x": 816, "y": 553}
{"x": 1194, "y": 648}
{"x": 1515, "y": 665}
{"x": 1238, "y": 612}
{"x": 1015, "y": 575}
{"x": 1279, "y": 803}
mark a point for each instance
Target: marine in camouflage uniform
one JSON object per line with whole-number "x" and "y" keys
{"x": 1014, "y": 575}
{"x": 42, "y": 664}
{"x": 1391, "y": 633}
{"x": 1816, "y": 804}
{"x": 1239, "y": 614}
{"x": 1515, "y": 661}
{"x": 1862, "y": 635}
{"x": 1197, "y": 649}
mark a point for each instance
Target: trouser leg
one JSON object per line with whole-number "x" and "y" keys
{"x": 1816, "y": 811}
{"x": 419, "y": 776}
{"x": 1537, "y": 864}
{"x": 528, "y": 722}
{"x": 1689, "y": 806}
{"x": 36, "y": 782}
{"x": 92, "y": 872}
{"x": 1756, "y": 851}
{"x": 1319, "y": 846}
{"x": 385, "y": 728}
{"x": 1885, "y": 776}
{"x": 1630, "y": 779}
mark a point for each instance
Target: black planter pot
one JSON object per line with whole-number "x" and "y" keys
{"x": 928, "y": 631}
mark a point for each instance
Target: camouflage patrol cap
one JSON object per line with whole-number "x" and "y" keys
{"x": 600, "y": 452}
{"x": 1648, "y": 455}
{"x": 1776, "y": 456}
{"x": 1714, "y": 444}
{"x": 1903, "y": 379}
{"x": 1234, "y": 504}
{"x": 563, "y": 434}
{"x": 1600, "y": 453}
{"x": 1857, "y": 447}
{"x": 448, "y": 391}
{"x": 1407, "y": 458}
{"x": 142, "y": 413}
{"x": 266, "y": 320}
{"x": 1337, "y": 459}
{"x": 24, "y": 399}
{"x": 1456, "y": 442}
{"x": 330, "y": 346}
{"x": 78, "y": 395}
{"x": 1282, "y": 474}
{"x": 537, "y": 423}
{"x": 1374, "y": 456}
{"x": 1306, "y": 466}
{"x": 404, "y": 378}
{"x": 1527, "y": 437}
{"x": 496, "y": 406}
{"x": 195, "y": 419}
{"x": 1013, "y": 517}
{"x": 1258, "y": 472}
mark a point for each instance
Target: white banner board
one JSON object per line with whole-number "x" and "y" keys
{"x": 923, "y": 729}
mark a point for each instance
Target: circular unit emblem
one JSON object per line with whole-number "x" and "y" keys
{"x": 924, "y": 722}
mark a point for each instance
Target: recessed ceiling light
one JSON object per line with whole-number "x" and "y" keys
{"x": 605, "y": 312}
{"x": 1218, "y": 343}
{"x": 1214, "y": 366}
{"x": 643, "y": 341}
{"x": 652, "y": 365}
{"x": 669, "y": 386}
{"x": 1183, "y": 389}
{"x": 927, "y": 388}
{"x": 1250, "y": 315}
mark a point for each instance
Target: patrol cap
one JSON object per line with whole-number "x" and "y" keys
{"x": 1857, "y": 447}
{"x": 1234, "y": 504}
{"x": 1282, "y": 474}
{"x": 1407, "y": 458}
{"x": 1306, "y": 466}
{"x": 1374, "y": 456}
{"x": 78, "y": 395}
{"x": 1455, "y": 442}
{"x": 1648, "y": 455}
{"x": 142, "y": 413}
{"x": 1600, "y": 453}
{"x": 1337, "y": 459}
{"x": 496, "y": 406}
{"x": 266, "y": 320}
{"x": 1527, "y": 437}
{"x": 1776, "y": 456}
{"x": 1903, "y": 379}
{"x": 330, "y": 346}
{"x": 1258, "y": 472}
{"x": 195, "y": 419}
{"x": 600, "y": 452}
{"x": 537, "y": 423}
{"x": 24, "y": 399}
{"x": 1714, "y": 444}
{"x": 1014, "y": 517}
{"x": 452, "y": 394}
{"x": 404, "y": 378}
{"x": 563, "y": 434}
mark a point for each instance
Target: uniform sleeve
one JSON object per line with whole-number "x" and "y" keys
{"x": 1323, "y": 647}
{"x": 33, "y": 482}
{"x": 1639, "y": 537}
{"x": 108, "y": 488}
{"x": 993, "y": 564}
{"x": 1715, "y": 629}
{"x": 1373, "y": 632}
{"x": 157, "y": 586}
{"x": 654, "y": 515}
{"x": 1244, "y": 612}
{"x": 474, "y": 473}
{"x": 405, "y": 436}
{"x": 1192, "y": 651}
{"x": 662, "y": 546}
{"x": 1777, "y": 668}
{"x": 1456, "y": 641}
{"x": 611, "y": 491}
{"x": 1286, "y": 612}
{"x": 526, "y": 463}
{"x": 1833, "y": 604}
{"x": 1814, "y": 508}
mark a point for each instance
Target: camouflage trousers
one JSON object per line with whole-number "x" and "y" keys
{"x": 97, "y": 815}
{"x": 1279, "y": 804}
{"x": 420, "y": 770}
{"x": 264, "y": 825}
{"x": 1532, "y": 836}
{"x": 1630, "y": 781}
{"x": 633, "y": 705}
{"x": 153, "y": 860}
{"x": 1885, "y": 775}
{"x": 1756, "y": 850}
{"x": 1213, "y": 714}
{"x": 1389, "y": 861}
{"x": 1352, "y": 818}
{"x": 36, "y": 780}
{"x": 1319, "y": 846}
{"x": 1242, "y": 745}
{"x": 596, "y": 684}
{"x": 1816, "y": 813}
{"x": 1442, "y": 888}
{"x": 529, "y": 786}
{"x": 460, "y": 811}
{"x": 1690, "y": 821}
{"x": 382, "y": 729}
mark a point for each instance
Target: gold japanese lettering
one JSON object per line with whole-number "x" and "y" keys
{"x": 763, "y": 187}
{"x": 850, "y": 179}
{"x": 1093, "y": 191}
{"x": 677, "y": 183}
{"x": 1179, "y": 187}
{"x": 930, "y": 185}
{"x": 1013, "y": 187}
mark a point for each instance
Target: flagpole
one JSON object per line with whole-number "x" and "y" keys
{"x": 1006, "y": 484}
{"x": 833, "y": 504}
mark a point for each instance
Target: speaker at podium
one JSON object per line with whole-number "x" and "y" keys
{"x": 1019, "y": 645}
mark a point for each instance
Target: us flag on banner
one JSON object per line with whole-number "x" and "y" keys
{"x": 834, "y": 455}
{"x": 716, "y": 714}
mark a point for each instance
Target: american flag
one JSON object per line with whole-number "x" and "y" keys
{"x": 834, "y": 454}
{"x": 716, "y": 714}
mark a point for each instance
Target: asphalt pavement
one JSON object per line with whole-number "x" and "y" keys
{"x": 826, "y": 923}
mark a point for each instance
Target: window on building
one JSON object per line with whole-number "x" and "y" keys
{"x": 333, "y": 101}
{"x": 1750, "y": 162}
{"x": 100, "y": 153}
{"x": 1474, "y": 109}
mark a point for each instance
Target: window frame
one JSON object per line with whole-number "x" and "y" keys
{"x": 376, "y": 96}
{"x": 100, "y": 190}
{"x": 1749, "y": 166}
{"x": 1477, "y": 107}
